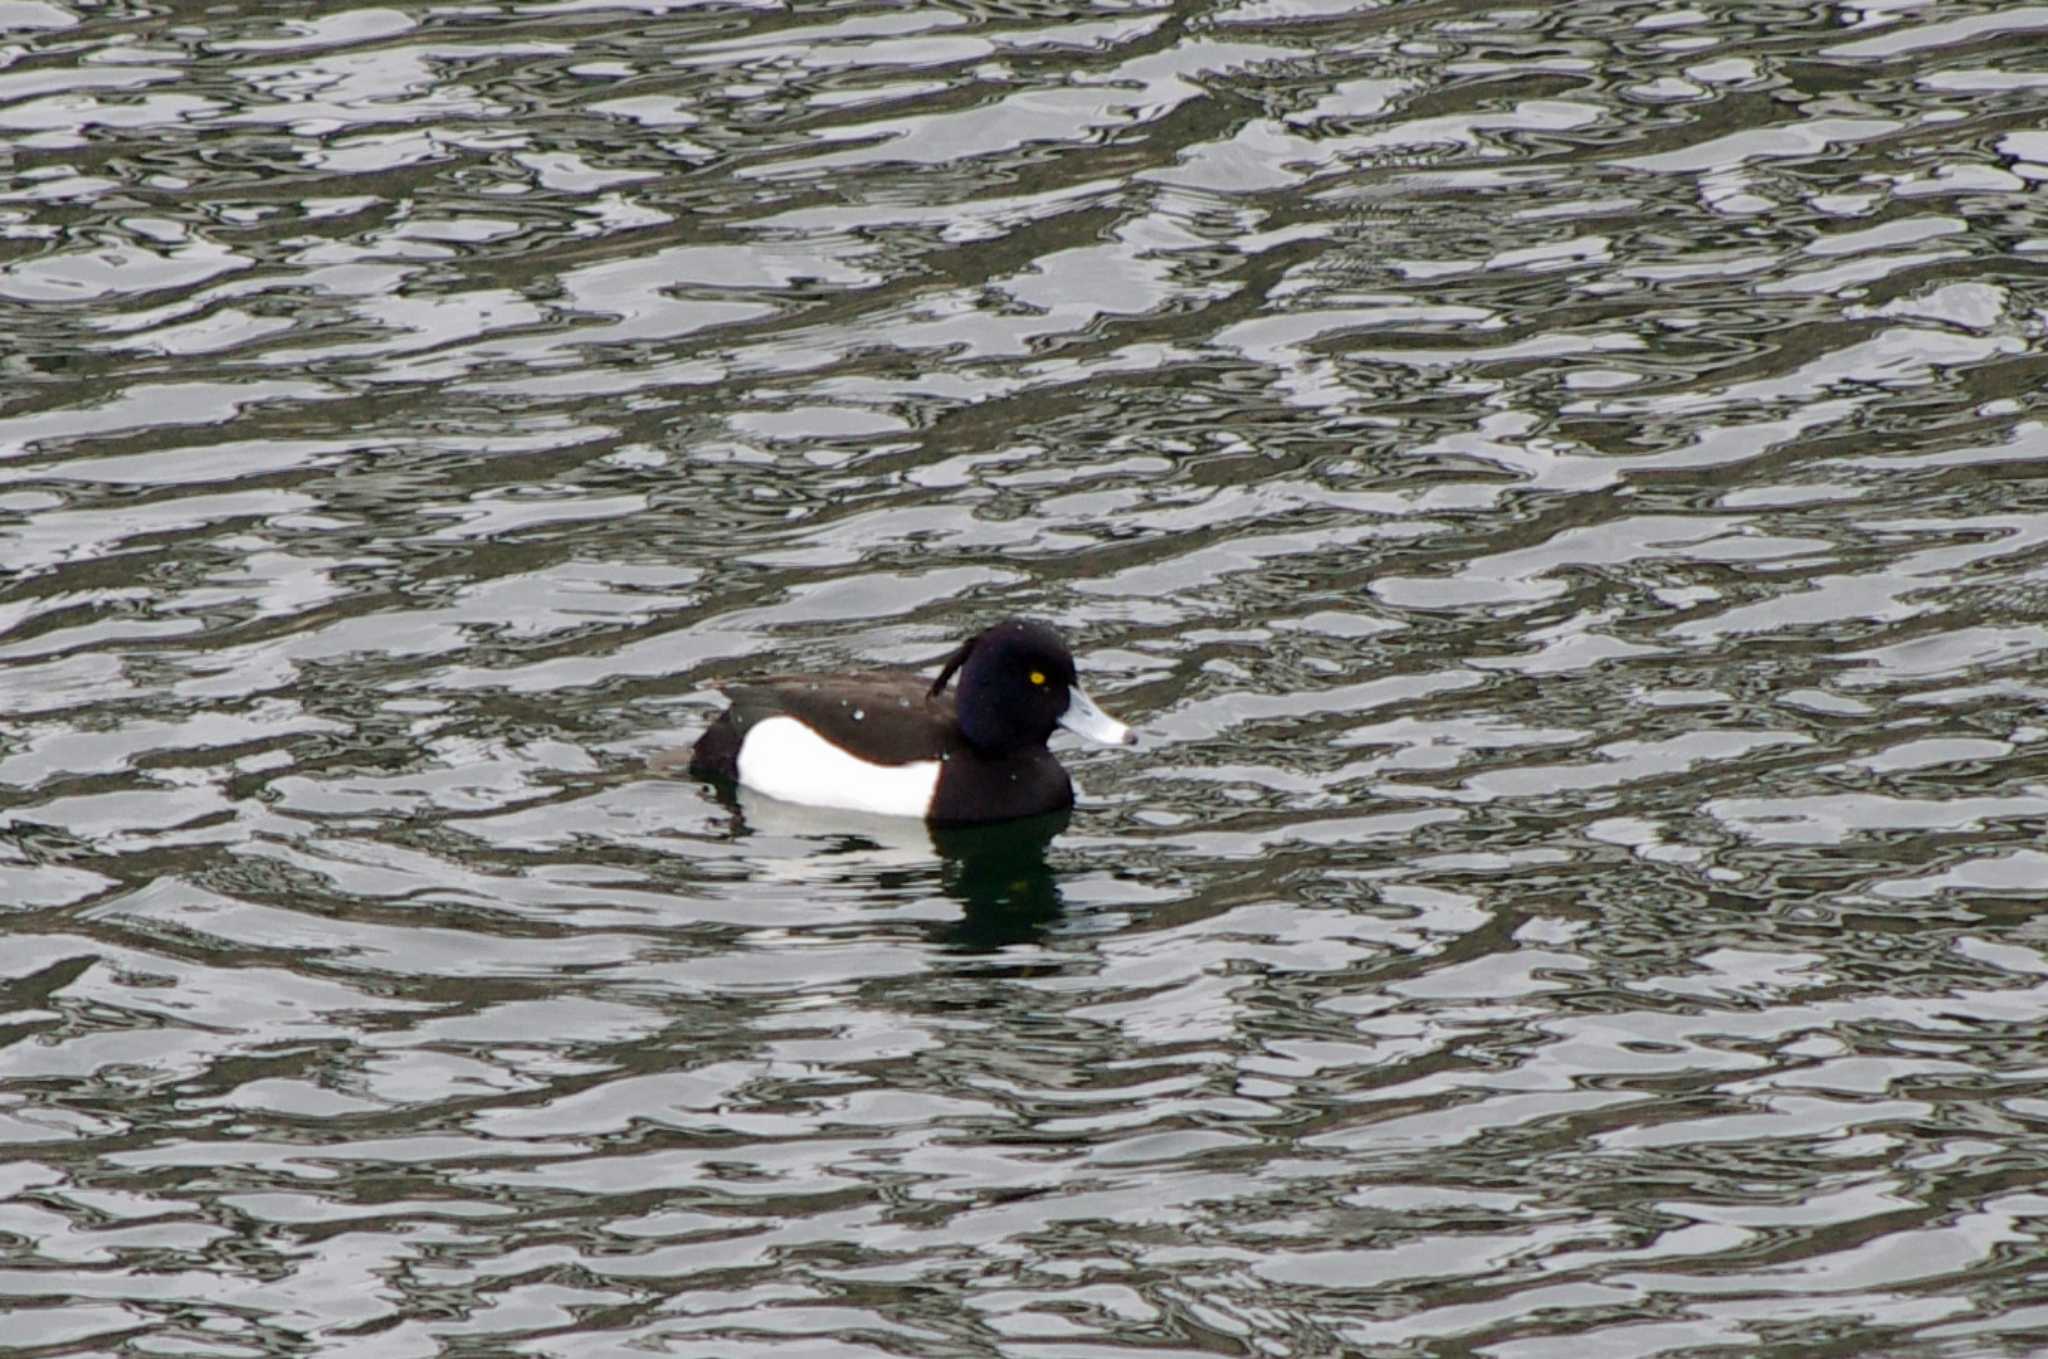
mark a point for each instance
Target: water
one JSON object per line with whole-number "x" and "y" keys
{"x": 1557, "y": 490}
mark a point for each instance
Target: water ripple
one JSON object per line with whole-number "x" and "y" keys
{"x": 1552, "y": 488}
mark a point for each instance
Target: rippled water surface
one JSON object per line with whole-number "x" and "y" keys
{"x": 1559, "y": 490}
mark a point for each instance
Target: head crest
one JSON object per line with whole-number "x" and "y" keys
{"x": 952, "y": 663}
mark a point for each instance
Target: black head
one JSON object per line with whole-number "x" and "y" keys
{"x": 1017, "y": 683}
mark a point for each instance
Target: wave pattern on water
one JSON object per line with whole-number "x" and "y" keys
{"x": 1554, "y": 487}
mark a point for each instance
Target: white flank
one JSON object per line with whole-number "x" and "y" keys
{"x": 786, "y": 759}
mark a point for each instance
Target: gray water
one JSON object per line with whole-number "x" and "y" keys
{"x": 1558, "y": 489}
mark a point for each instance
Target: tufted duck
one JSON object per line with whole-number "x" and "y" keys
{"x": 896, "y": 744}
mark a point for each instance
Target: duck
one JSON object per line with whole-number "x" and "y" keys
{"x": 901, "y": 745}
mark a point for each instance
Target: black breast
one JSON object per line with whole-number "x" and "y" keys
{"x": 973, "y": 788}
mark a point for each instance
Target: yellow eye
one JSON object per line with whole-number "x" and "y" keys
{"x": 1038, "y": 677}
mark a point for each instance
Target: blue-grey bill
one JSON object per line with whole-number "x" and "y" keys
{"x": 1090, "y": 723}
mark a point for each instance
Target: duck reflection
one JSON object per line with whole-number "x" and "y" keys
{"x": 1008, "y": 893}
{"x": 998, "y": 874}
